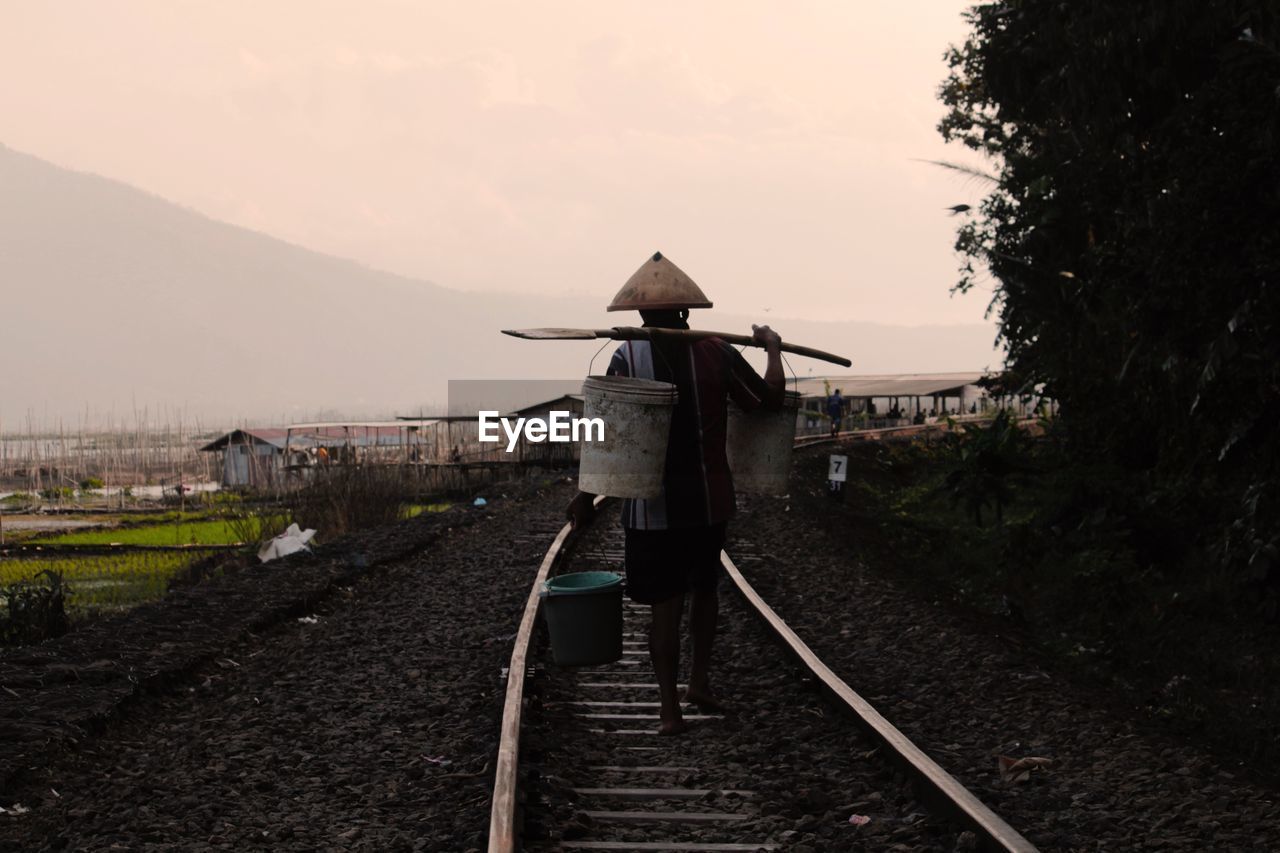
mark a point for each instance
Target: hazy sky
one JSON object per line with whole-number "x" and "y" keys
{"x": 765, "y": 147}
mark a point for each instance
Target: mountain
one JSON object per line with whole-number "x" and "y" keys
{"x": 111, "y": 297}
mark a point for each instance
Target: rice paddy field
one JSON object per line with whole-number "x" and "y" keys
{"x": 136, "y": 563}
{"x": 128, "y": 571}
{"x": 103, "y": 582}
{"x": 192, "y": 531}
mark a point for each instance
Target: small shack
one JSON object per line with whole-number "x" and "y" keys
{"x": 251, "y": 458}
{"x": 260, "y": 457}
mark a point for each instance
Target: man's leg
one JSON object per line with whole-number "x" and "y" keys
{"x": 704, "y": 612}
{"x": 664, "y": 650}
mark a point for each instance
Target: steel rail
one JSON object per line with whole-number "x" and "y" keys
{"x": 502, "y": 814}
{"x": 936, "y": 785}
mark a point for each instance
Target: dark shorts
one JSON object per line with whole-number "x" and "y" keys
{"x": 662, "y": 564}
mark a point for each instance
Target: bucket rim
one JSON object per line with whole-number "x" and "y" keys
{"x": 611, "y": 584}
{"x": 630, "y": 388}
{"x": 792, "y": 400}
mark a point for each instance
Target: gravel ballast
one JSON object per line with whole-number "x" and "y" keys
{"x": 968, "y": 693}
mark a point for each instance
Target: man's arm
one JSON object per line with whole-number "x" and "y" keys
{"x": 773, "y": 374}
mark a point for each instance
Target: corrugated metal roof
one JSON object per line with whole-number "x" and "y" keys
{"x": 901, "y": 385}
{"x": 401, "y": 423}
{"x": 257, "y": 435}
{"x": 302, "y": 436}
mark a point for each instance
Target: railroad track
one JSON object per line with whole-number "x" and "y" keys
{"x": 597, "y": 777}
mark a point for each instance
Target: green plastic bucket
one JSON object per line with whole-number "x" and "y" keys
{"x": 584, "y": 617}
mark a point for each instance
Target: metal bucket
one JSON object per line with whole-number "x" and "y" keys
{"x": 759, "y": 447}
{"x": 629, "y": 462}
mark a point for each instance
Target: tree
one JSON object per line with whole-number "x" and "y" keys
{"x": 1134, "y": 233}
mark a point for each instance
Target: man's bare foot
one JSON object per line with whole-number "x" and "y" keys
{"x": 675, "y": 727}
{"x": 704, "y": 700}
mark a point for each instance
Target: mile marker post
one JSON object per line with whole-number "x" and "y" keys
{"x": 837, "y": 473}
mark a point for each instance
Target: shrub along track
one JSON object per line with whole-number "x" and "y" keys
{"x": 372, "y": 727}
{"x": 967, "y": 693}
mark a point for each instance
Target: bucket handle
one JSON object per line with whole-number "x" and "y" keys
{"x": 795, "y": 380}
{"x": 591, "y": 365}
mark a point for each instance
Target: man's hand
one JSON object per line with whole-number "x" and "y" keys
{"x": 581, "y": 510}
{"x": 766, "y": 337}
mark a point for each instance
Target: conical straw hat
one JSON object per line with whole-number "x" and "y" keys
{"x": 659, "y": 285}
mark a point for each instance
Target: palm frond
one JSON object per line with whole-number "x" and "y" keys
{"x": 970, "y": 172}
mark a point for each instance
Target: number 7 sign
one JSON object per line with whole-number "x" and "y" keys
{"x": 837, "y": 468}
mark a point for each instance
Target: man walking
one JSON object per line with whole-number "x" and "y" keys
{"x": 673, "y": 541}
{"x": 835, "y": 410}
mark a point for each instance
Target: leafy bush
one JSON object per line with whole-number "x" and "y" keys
{"x": 253, "y": 527}
{"x": 92, "y": 483}
{"x": 33, "y": 612}
{"x": 984, "y": 463}
{"x": 58, "y": 493}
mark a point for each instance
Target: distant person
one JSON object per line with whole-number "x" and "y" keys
{"x": 919, "y": 418}
{"x": 835, "y": 409}
{"x": 455, "y": 455}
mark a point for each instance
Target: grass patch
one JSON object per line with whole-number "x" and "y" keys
{"x": 415, "y": 510}
{"x": 215, "y": 531}
{"x": 96, "y": 583}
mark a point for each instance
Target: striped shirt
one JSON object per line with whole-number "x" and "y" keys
{"x": 697, "y": 489}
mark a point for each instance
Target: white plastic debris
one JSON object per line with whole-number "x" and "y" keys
{"x": 479, "y": 502}
{"x": 290, "y": 542}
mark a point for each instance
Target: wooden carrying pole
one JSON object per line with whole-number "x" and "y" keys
{"x": 644, "y": 333}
